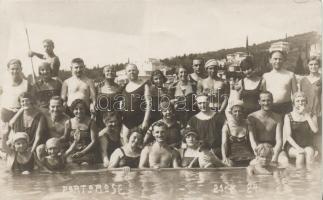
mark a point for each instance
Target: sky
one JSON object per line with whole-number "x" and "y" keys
{"x": 111, "y": 31}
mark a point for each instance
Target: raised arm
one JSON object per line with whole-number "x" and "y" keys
{"x": 38, "y": 55}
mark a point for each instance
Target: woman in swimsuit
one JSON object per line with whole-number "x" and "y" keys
{"x": 236, "y": 148}
{"x": 190, "y": 154}
{"x": 157, "y": 92}
{"x": 299, "y": 128}
{"x": 249, "y": 87}
{"x": 136, "y": 105}
{"x": 129, "y": 154}
{"x": 108, "y": 95}
{"x": 82, "y": 127}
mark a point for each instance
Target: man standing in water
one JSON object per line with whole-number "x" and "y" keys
{"x": 159, "y": 154}
{"x": 197, "y": 70}
{"x": 267, "y": 127}
{"x": 280, "y": 82}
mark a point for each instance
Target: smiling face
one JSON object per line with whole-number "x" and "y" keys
{"x": 277, "y": 60}
{"x": 20, "y": 145}
{"x": 77, "y": 69}
{"x": 203, "y": 103}
{"x": 265, "y": 101}
{"x": 182, "y": 74}
{"x": 211, "y": 71}
{"x": 248, "y": 72}
{"x": 264, "y": 160}
{"x": 26, "y": 103}
{"x": 158, "y": 80}
{"x": 135, "y": 140}
{"x": 191, "y": 140}
{"x": 79, "y": 111}
{"x": 168, "y": 113}
{"x": 14, "y": 70}
{"x": 109, "y": 72}
{"x": 111, "y": 123}
{"x": 132, "y": 72}
{"x": 55, "y": 107}
{"x": 159, "y": 132}
{"x": 313, "y": 66}
{"x": 197, "y": 66}
{"x": 52, "y": 150}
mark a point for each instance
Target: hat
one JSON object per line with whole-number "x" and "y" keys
{"x": 52, "y": 142}
{"x": 211, "y": 62}
{"x": 279, "y": 46}
{"x": 189, "y": 131}
{"x": 20, "y": 135}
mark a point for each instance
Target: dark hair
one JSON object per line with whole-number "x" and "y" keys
{"x": 185, "y": 131}
{"x": 157, "y": 73}
{"x": 135, "y": 130}
{"x": 266, "y": 92}
{"x": 247, "y": 63}
{"x": 14, "y": 61}
{"x": 49, "y": 41}
{"x": 159, "y": 124}
{"x": 110, "y": 114}
{"x": 56, "y": 98}
{"x": 284, "y": 54}
{"x": 42, "y": 65}
{"x": 26, "y": 95}
{"x": 79, "y": 101}
{"x": 78, "y": 61}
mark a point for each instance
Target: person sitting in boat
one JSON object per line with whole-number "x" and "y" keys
{"x": 159, "y": 154}
{"x": 83, "y": 151}
{"x": 183, "y": 93}
{"x": 19, "y": 156}
{"x": 267, "y": 127}
{"x": 299, "y": 129}
{"x": 261, "y": 165}
{"x": 249, "y": 87}
{"x": 214, "y": 87}
{"x": 50, "y": 156}
{"x": 129, "y": 154}
{"x": 109, "y": 137}
{"x": 157, "y": 93}
{"x": 49, "y": 57}
{"x": 173, "y": 137}
{"x": 208, "y": 124}
{"x": 108, "y": 95}
{"x": 46, "y": 87}
{"x": 236, "y": 149}
{"x": 31, "y": 120}
{"x": 190, "y": 153}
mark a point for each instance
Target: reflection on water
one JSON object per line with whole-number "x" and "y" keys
{"x": 231, "y": 184}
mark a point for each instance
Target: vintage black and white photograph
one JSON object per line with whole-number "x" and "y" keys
{"x": 160, "y": 99}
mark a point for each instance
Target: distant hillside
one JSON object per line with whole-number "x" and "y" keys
{"x": 299, "y": 46}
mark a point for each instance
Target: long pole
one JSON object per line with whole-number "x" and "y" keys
{"x": 31, "y": 59}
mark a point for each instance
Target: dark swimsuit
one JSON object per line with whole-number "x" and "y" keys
{"x": 251, "y": 97}
{"x": 19, "y": 167}
{"x": 300, "y": 132}
{"x": 59, "y": 166}
{"x": 186, "y": 161}
{"x": 132, "y": 162}
{"x": 239, "y": 149}
{"x": 156, "y": 96}
{"x": 134, "y": 112}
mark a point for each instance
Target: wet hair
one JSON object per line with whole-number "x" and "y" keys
{"x": 264, "y": 150}
{"x": 78, "y": 61}
{"x": 43, "y": 65}
{"x": 266, "y": 92}
{"x": 49, "y": 41}
{"x": 14, "y": 61}
{"x": 157, "y": 73}
{"x": 316, "y": 58}
{"x": 299, "y": 94}
{"x": 159, "y": 124}
{"x": 110, "y": 114}
{"x": 26, "y": 95}
{"x": 283, "y": 53}
{"x": 135, "y": 130}
{"x": 247, "y": 63}
{"x": 56, "y": 98}
{"x": 79, "y": 101}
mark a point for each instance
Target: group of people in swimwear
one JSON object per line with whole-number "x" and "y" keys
{"x": 196, "y": 122}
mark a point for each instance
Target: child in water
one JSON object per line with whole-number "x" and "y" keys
{"x": 261, "y": 164}
{"x": 50, "y": 156}
{"x": 19, "y": 156}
